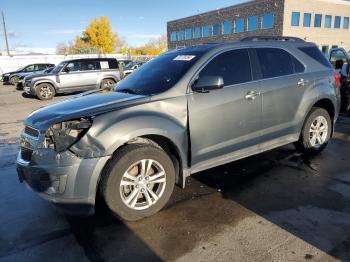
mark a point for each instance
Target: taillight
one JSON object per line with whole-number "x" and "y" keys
{"x": 336, "y": 76}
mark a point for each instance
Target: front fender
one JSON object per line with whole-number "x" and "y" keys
{"x": 40, "y": 81}
{"x": 108, "y": 133}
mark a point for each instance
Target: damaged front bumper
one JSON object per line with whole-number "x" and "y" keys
{"x": 64, "y": 179}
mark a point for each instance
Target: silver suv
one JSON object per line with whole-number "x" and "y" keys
{"x": 74, "y": 75}
{"x": 183, "y": 112}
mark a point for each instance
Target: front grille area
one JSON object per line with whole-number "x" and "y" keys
{"x": 26, "y": 154}
{"x": 31, "y": 131}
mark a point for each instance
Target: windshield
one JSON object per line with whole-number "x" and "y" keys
{"x": 159, "y": 74}
{"x": 58, "y": 68}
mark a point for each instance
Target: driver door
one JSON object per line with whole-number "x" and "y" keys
{"x": 225, "y": 120}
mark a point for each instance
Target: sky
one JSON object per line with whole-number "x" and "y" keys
{"x": 39, "y": 25}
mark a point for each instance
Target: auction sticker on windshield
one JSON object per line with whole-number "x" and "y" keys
{"x": 184, "y": 57}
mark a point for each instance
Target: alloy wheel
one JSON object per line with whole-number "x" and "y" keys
{"x": 318, "y": 131}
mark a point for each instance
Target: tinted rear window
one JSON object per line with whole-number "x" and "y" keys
{"x": 274, "y": 62}
{"x": 316, "y": 54}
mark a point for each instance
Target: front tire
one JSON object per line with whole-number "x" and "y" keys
{"x": 14, "y": 80}
{"x": 45, "y": 91}
{"x": 107, "y": 83}
{"x": 138, "y": 182}
{"x": 316, "y": 132}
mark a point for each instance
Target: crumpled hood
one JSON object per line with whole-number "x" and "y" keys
{"x": 86, "y": 104}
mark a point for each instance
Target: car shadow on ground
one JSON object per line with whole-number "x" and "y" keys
{"x": 306, "y": 196}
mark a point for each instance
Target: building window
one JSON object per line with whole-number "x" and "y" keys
{"x": 226, "y": 28}
{"x": 295, "y": 18}
{"x": 253, "y": 23}
{"x": 216, "y": 29}
{"x": 197, "y": 32}
{"x": 180, "y": 36}
{"x": 206, "y": 31}
{"x": 307, "y": 20}
{"x": 267, "y": 21}
{"x": 346, "y": 23}
{"x": 239, "y": 25}
{"x": 337, "y": 21}
{"x": 318, "y": 20}
{"x": 173, "y": 37}
{"x": 328, "y": 21}
{"x": 188, "y": 34}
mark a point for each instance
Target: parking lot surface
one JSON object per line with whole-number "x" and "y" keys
{"x": 276, "y": 206}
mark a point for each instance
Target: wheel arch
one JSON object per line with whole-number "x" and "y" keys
{"x": 45, "y": 81}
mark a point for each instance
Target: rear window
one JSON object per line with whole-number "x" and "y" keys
{"x": 316, "y": 54}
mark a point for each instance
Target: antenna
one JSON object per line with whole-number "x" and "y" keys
{"x": 5, "y": 34}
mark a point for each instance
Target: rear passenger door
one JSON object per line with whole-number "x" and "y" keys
{"x": 283, "y": 83}
{"x": 229, "y": 119}
{"x": 90, "y": 73}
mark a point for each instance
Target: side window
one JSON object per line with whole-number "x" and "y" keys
{"x": 315, "y": 53}
{"x": 233, "y": 66}
{"x": 73, "y": 66}
{"x": 87, "y": 65}
{"x": 113, "y": 64}
{"x": 274, "y": 62}
{"x": 41, "y": 67}
{"x": 29, "y": 68}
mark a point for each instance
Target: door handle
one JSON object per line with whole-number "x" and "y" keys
{"x": 251, "y": 95}
{"x": 302, "y": 82}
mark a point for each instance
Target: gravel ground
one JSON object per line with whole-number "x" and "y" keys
{"x": 276, "y": 206}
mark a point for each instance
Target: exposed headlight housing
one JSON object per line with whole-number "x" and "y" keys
{"x": 62, "y": 136}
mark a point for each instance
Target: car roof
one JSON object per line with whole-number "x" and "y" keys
{"x": 247, "y": 42}
{"x": 89, "y": 59}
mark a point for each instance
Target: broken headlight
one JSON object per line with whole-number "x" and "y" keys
{"x": 62, "y": 136}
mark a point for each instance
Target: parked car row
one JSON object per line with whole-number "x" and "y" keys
{"x": 44, "y": 81}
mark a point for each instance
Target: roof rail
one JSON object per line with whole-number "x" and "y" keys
{"x": 272, "y": 38}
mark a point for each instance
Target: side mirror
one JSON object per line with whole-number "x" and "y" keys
{"x": 207, "y": 83}
{"x": 66, "y": 70}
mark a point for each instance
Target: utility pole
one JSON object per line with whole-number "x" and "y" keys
{"x": 5, "y": 34}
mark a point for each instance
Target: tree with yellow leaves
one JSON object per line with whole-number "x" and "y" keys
{"x": 97, "y": 37}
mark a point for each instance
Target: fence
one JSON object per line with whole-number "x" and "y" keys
{"x": 11, "y": 63}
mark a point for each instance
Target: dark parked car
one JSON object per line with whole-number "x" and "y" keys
{"x": 12, "y": 77}
{"x": 340, "y": 60}
{"x": 185, "y": 111}
{"x": 23, "y": 77}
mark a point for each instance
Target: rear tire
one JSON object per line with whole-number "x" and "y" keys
{"x": 316, "y": 132}
{"x": 138, "y": 182}
{"x": 45, "y": 91}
